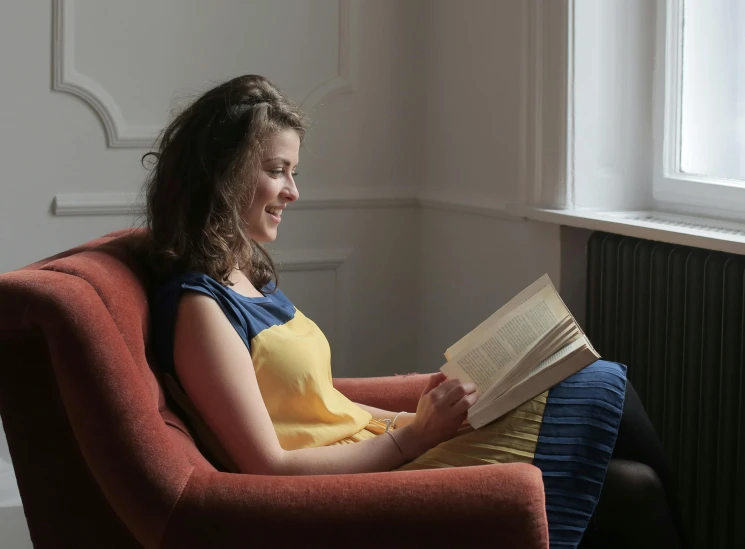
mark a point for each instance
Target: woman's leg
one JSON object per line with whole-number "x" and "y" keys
{"x": 638, "y": 441}
{"x": 638, "y": 497}
{"x": 632, "y": 512}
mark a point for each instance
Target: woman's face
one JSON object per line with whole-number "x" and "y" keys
{"x": 275, "y": 187}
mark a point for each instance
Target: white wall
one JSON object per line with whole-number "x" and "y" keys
{"x": 473, "y": 98}
{"x": 427, "y": 102}
{"x": 472, "y": 265}
{"x": 475, "y": 254}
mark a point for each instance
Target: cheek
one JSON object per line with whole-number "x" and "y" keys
{"x": 265, "y": 192}
{"x": 259, "y": 202}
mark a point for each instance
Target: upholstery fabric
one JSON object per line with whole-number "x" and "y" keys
{"x": 102, "y": 461}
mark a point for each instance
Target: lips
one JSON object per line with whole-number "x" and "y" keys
{"x": 275, "y": 213}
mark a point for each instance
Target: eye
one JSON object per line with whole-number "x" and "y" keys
{"x": 276, "y": 172}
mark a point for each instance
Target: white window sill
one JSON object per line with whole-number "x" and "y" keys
{"x": 699, "y": 232}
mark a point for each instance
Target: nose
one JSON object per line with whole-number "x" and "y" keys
{"x": 290, "y": 191}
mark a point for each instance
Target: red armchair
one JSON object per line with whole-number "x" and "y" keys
{"x": 101, "y": 460}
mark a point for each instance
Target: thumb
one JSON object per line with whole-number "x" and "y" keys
{"x": 434, "y": 381}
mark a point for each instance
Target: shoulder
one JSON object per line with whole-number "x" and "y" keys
{"x": 199, "y": 282}
{"x": 204, "y": 333}
{"x": 176, "y": 282}
{"x": 198, "y": 312}
{"x": 171, "y": 302}
{"x": 170, "y": 292}
{"x": 192, "y": 292}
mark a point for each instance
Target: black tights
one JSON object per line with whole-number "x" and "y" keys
{"x": 637, "y": 506}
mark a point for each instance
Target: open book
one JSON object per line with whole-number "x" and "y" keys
{"x": 526, "y": 347}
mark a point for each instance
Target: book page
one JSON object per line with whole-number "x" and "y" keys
{"x": 557, "y": 356}
{"x": 534, "y": 385}
{"x": 564, "y": 333}
{"x": 499, "y": 389}
{"x": 542, "y": 286}
{"x": 513, "y": 336}
{"x": 556, "y": 339}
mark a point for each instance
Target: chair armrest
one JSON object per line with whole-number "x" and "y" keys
{"x": 395, "y": 393}
{"x": 496, "y": 506}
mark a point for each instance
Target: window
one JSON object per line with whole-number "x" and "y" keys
{"x": 712, "y": 132}
{"x": 701, "y": 94}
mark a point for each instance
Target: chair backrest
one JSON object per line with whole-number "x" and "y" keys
{"x": 99, "y": 457}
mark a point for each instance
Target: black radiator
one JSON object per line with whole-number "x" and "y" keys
{"x": 675, "y": 316}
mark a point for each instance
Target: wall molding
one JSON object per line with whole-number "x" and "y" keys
{"x": 83, "y": 204}
{"x": 357, "y": 197}
{"x": 67, "y": 79}
{"x": 346, "y": 79}
{"x": 475, "y": 207}
{"x": 96, "y": 203}
{"x": 129, "y": 204}
{"x": 119, "y": 133}
{"x": 310, "y": 259}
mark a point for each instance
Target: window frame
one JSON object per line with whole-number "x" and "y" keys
{"x": 673, "y": 189}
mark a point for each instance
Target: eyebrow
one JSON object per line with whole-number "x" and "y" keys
{"x": 283, "y": 160}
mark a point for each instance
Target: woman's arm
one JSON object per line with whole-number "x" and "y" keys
{"x": 217, "y": 373}
{"x": 403, "y": 420}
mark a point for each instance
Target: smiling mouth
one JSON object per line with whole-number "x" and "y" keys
{"x": 275, "y": 213}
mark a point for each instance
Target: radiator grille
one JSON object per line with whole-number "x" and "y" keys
{"x": 676, "y": 317}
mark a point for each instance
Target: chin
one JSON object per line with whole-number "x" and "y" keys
{"x": 264, "y": 237}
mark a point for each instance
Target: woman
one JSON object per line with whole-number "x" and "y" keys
{"x": 253, "y": 373}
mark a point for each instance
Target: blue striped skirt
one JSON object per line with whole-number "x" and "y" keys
{"x": 567, "y": 432}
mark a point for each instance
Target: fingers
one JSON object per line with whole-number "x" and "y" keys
{"x": 452, "y": 391}
{"x": 434, "y": 381}
{"x": 462, "y": 406}
{"x": 450, "y": 397}
{"x": 443, "y": 408}
{"x": 459, "y": 398}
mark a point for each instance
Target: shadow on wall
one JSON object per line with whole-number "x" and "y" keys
{"x": 574, "y": 270}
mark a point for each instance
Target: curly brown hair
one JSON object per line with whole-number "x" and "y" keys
{"x": 204, "y": 174}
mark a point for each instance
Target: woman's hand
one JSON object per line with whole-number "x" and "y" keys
{"x": 441, "y": 410}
